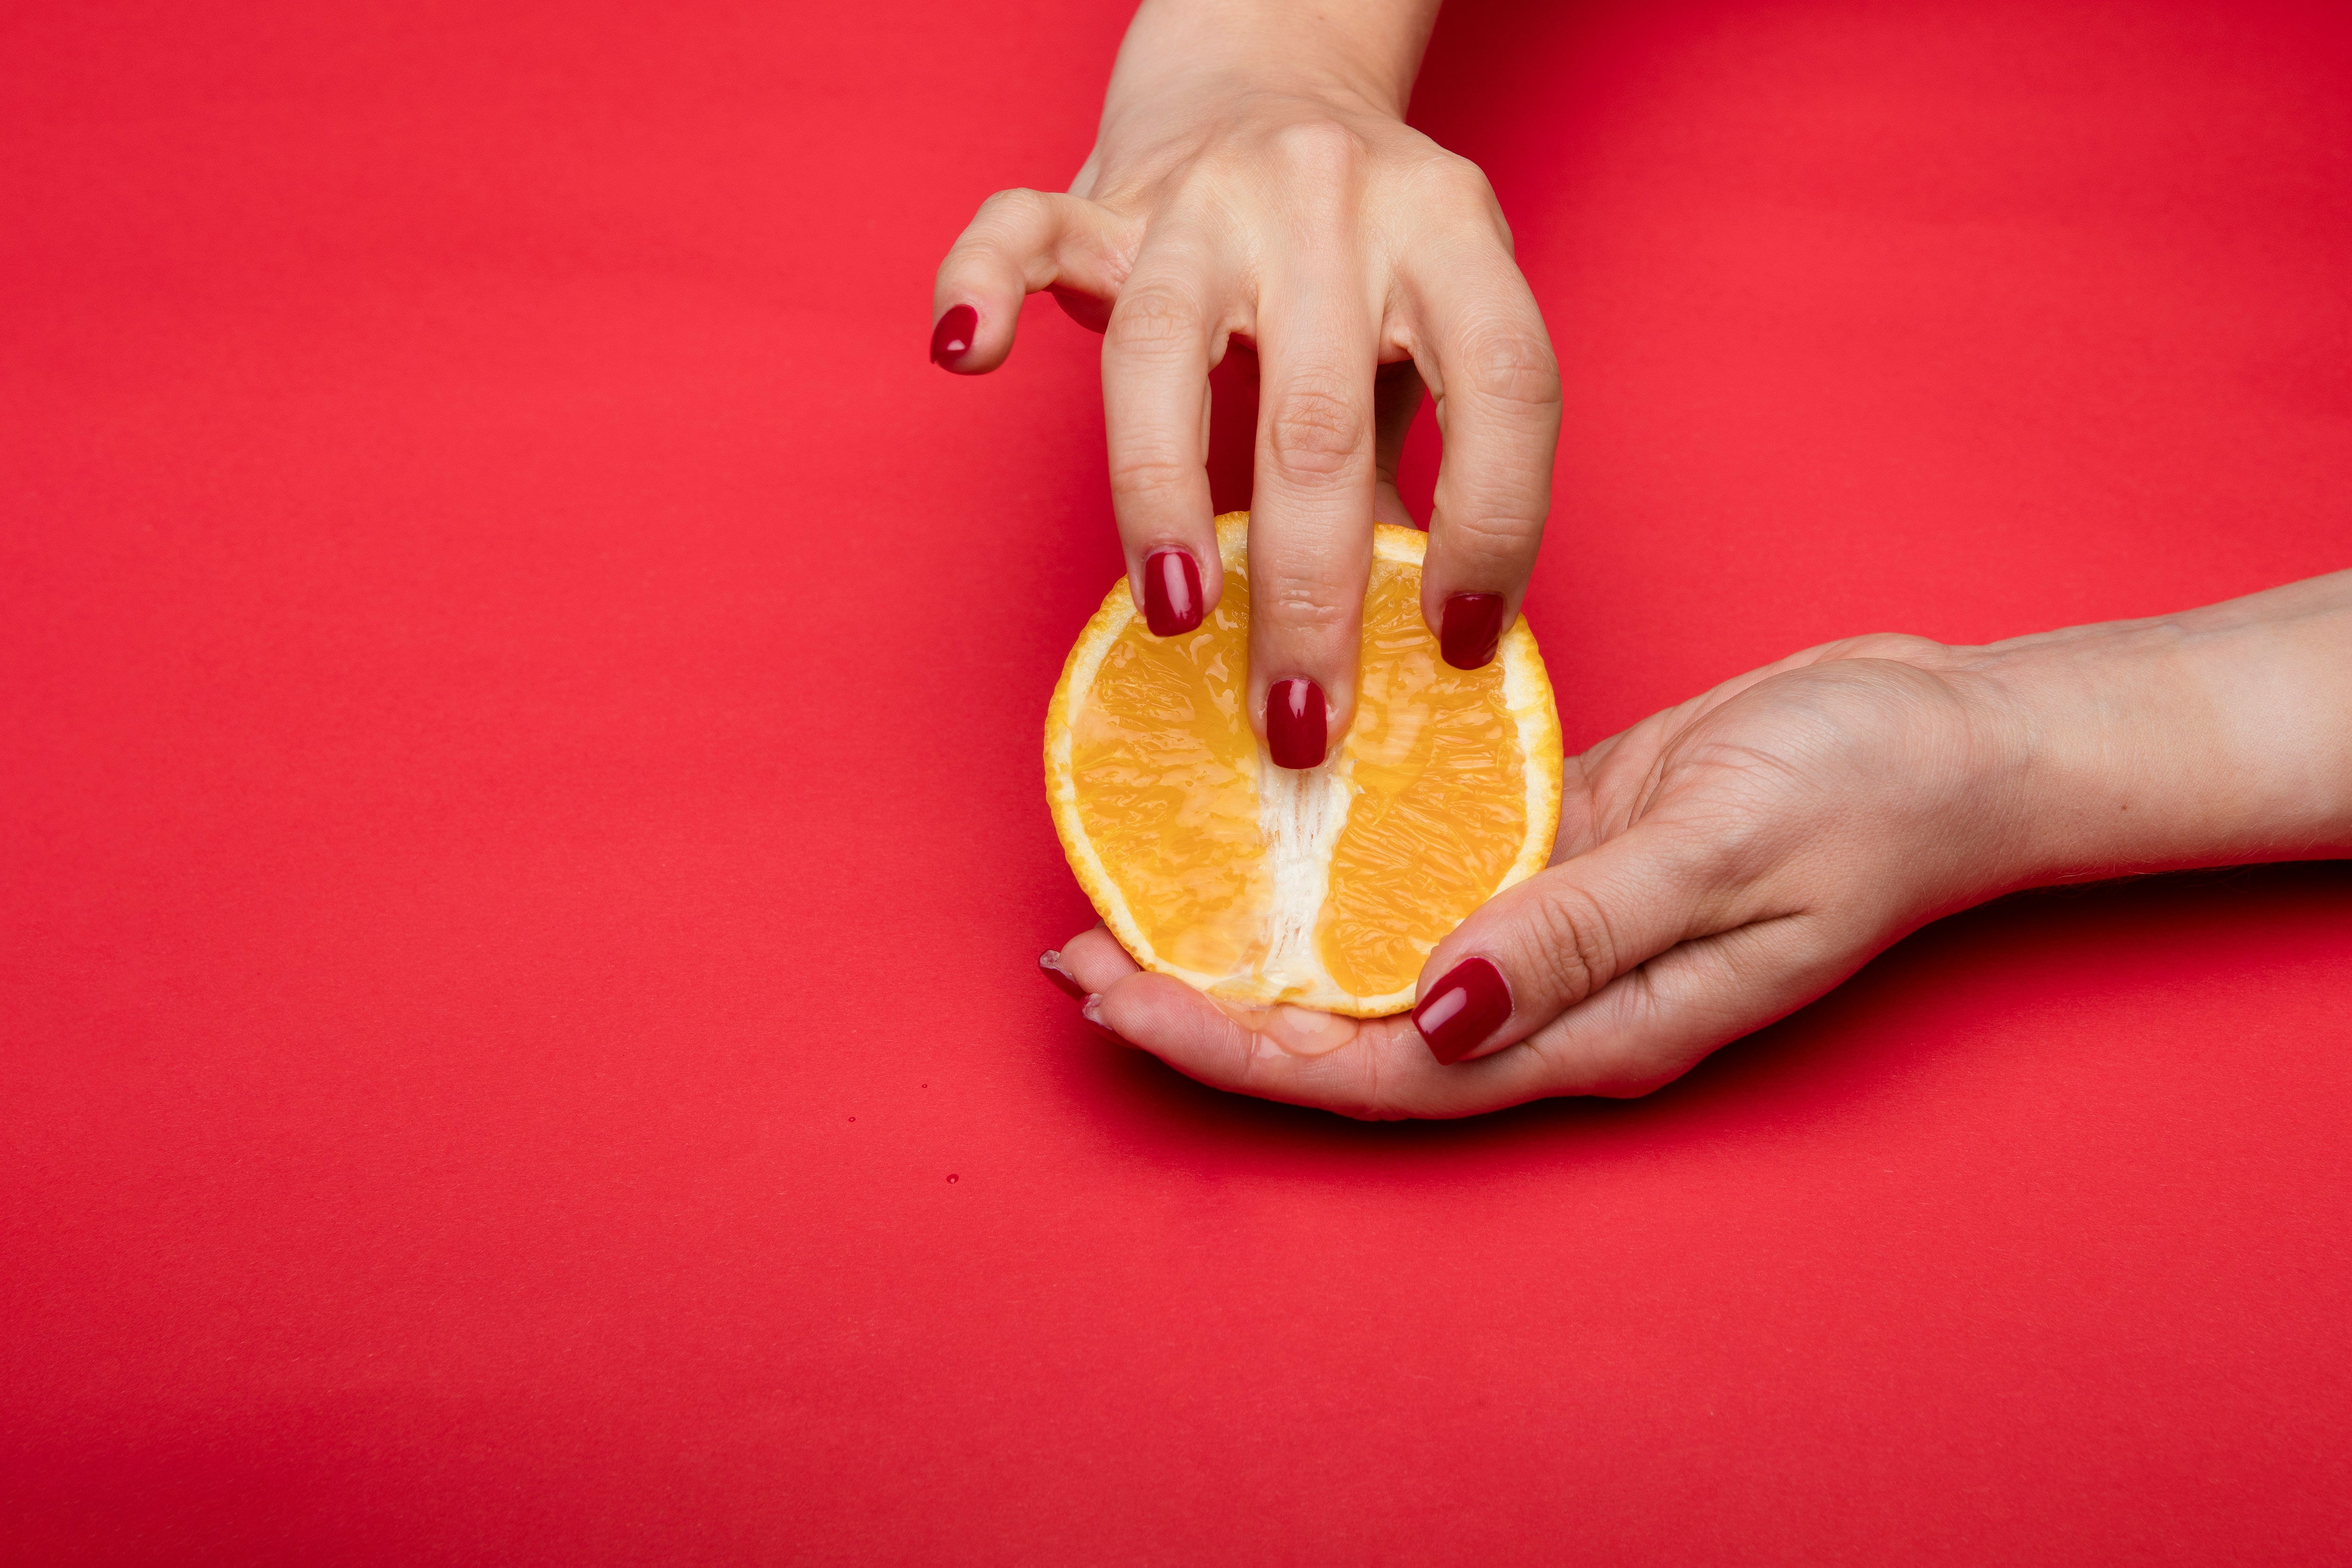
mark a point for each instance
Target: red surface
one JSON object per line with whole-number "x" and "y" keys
{"x": 524, "y": 851}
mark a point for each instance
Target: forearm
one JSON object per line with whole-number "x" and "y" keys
{"x": 2216, "y": 737}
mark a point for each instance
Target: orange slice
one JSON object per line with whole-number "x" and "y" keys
{"x": 1325, "y": 888}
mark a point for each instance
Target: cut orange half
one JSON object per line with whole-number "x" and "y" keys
{"x": 1325, "y": 888}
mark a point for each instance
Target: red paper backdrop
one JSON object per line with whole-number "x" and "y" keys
{"x": 524, "y": 853}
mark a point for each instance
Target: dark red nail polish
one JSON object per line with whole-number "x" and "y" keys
{"x": 1463, "y": 1009}
{"x": 951, "y": 339}
{"x": 1298, "y": 731}
{"x": 1172, "y": 592}
{"x": 1469, "y": 628}
{"x": 1049, "y": 965}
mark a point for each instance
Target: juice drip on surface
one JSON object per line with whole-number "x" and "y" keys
{"x": 1166, "y": 766}
{"x": 1439, "y": 812}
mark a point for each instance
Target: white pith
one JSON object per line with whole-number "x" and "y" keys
{"x": 1301, "y": 815}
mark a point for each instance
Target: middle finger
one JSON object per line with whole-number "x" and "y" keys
{"x": 1311, "y": 546}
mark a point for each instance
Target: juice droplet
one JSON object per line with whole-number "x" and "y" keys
{"x": 853, "y": 1119}
{"x": 951, "y": 1178}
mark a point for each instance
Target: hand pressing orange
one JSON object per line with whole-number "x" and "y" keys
{"x": 1253, "y": 178}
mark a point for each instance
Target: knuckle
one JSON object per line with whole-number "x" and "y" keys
{"x": 1463, "y": 175}
{"x": 1154, "y": 319}
{"x": 1572, "y": 940}
{"x": 1297, "y": 602}
{"x": 1011, "y": 211}
{"x": 1146, "y": 475}
{"x": 1315, "y": 433}
{"x": 1456, "y": 185}
{"x": 1320, "y": 150}
{"x": 1505, "y": 363}
{"x": 1491, "y": 533}
{"x": 1455, "y": 190}
{"x": 1741, "y": 849}
{"x": 1898, "y": 647}
{"x": 1469, "y": 185}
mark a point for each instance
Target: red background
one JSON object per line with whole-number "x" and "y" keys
{"x": 524, "y": 849}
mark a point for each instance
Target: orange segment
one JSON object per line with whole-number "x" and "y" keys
{"x": 1169, "y": 790}
{"x": 1440, "y": 809}
{"x": 1329, "y": 888}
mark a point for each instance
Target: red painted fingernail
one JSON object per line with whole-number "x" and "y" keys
{"x": 1172, "y": 592}
{"x": 1465, "y": 1006}
{"x": 1469, "y": 628}
{"x": 1296, "y": 729}
{"x": 951, "y": 339}
{"x": 1049, "y": 965}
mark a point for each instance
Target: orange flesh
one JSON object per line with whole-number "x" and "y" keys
{"x": 1165, "y": 769}
{"x": 1441, "y": 804}
{"x": 1167, "y": 782}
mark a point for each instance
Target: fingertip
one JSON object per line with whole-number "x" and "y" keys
{"x": 1090, "y": 1008}
{"x": 952, "y": 334}
{"x": 1057, "y": 971}
{"x": 1173, "y": 595}
{"x": 1298, "y": 723}
{"x": 1093, "y": 960}
{"x": 968, "y": 340}
{"x": 1305, "y": 635}
{"x": 1470, "y": 628}
{"x": 1463, "y": 1009}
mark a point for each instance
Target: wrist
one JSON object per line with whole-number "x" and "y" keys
{"x": 2218, "y": 737}
{"x": 1362, "y": 57}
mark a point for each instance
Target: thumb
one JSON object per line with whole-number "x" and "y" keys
{"x": 1546, "y": 944}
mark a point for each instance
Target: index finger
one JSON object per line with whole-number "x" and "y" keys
{"x": 1310, "y": 538}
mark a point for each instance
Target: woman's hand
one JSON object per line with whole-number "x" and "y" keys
{"x": 1723, "y": 863}
{"x": 1253, "y": 179}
